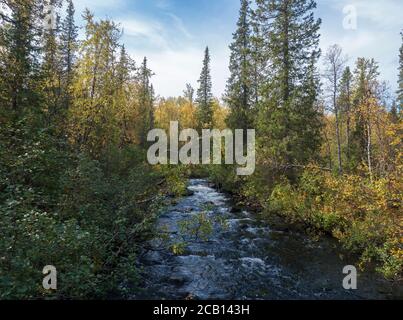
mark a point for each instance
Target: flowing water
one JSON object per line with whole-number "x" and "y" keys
{"x": 242, "y": 257}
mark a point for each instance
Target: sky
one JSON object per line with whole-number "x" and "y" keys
{"x": 173, "y": 34}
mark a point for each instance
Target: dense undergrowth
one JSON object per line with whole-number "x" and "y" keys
{"x": 364, "y": 216}
{"x": 86, "y": 216}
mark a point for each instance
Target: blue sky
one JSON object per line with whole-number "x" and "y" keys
{"x": 174, "y": 33}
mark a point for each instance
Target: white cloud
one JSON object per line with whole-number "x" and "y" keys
{"x": 174, "y": 68}
{"x": 377, "y": 35}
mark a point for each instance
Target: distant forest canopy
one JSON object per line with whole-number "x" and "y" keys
{"x": 76, "y": 189}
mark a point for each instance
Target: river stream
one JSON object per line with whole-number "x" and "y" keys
{"x": 241, "y": 257}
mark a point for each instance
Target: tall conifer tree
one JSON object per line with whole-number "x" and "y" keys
{"x": 51, "y": 67}
{"x": 204, "y": 95}
{"x": 19, "y": 54}
{"x": 68, "y": 48}
{"x": 289, "y": 121}
{"x": 239, "y": 94}
{"x": 146, "y": 99}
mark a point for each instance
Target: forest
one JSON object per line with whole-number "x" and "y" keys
{"x": 77, "y": 191}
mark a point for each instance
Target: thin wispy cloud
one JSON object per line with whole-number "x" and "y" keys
{"x": 178, "y": 23}
{"x": 148, "y": 32}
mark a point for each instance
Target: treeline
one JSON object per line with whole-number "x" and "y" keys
{"x": 76, "y": 190}
{"x": 329, "y": 145}
{"x": 196, "y": 109}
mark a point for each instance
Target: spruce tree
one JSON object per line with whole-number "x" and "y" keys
{"x": 125, "y": 73}
{"x": 124, "y": 68}
{"x": 258, "y": 60}
{"x": 51, "y": 74}
{"x": 68, "y": 48}
{"x": 239, "y": 93}
{"x": 51, "y": 68}
{"x": 19, "y": 53}
{"x": 289, "y": 124}
{"x": 146, "y": 100}
{"x": 204, "y": 95}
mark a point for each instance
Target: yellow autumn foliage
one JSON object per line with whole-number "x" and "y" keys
{"x": 366, "y": 217}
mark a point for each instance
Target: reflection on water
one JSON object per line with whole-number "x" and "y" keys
{"x": 244, "y": 258}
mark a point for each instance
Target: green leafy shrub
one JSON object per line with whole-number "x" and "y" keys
{"x": 85, "y": 216}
